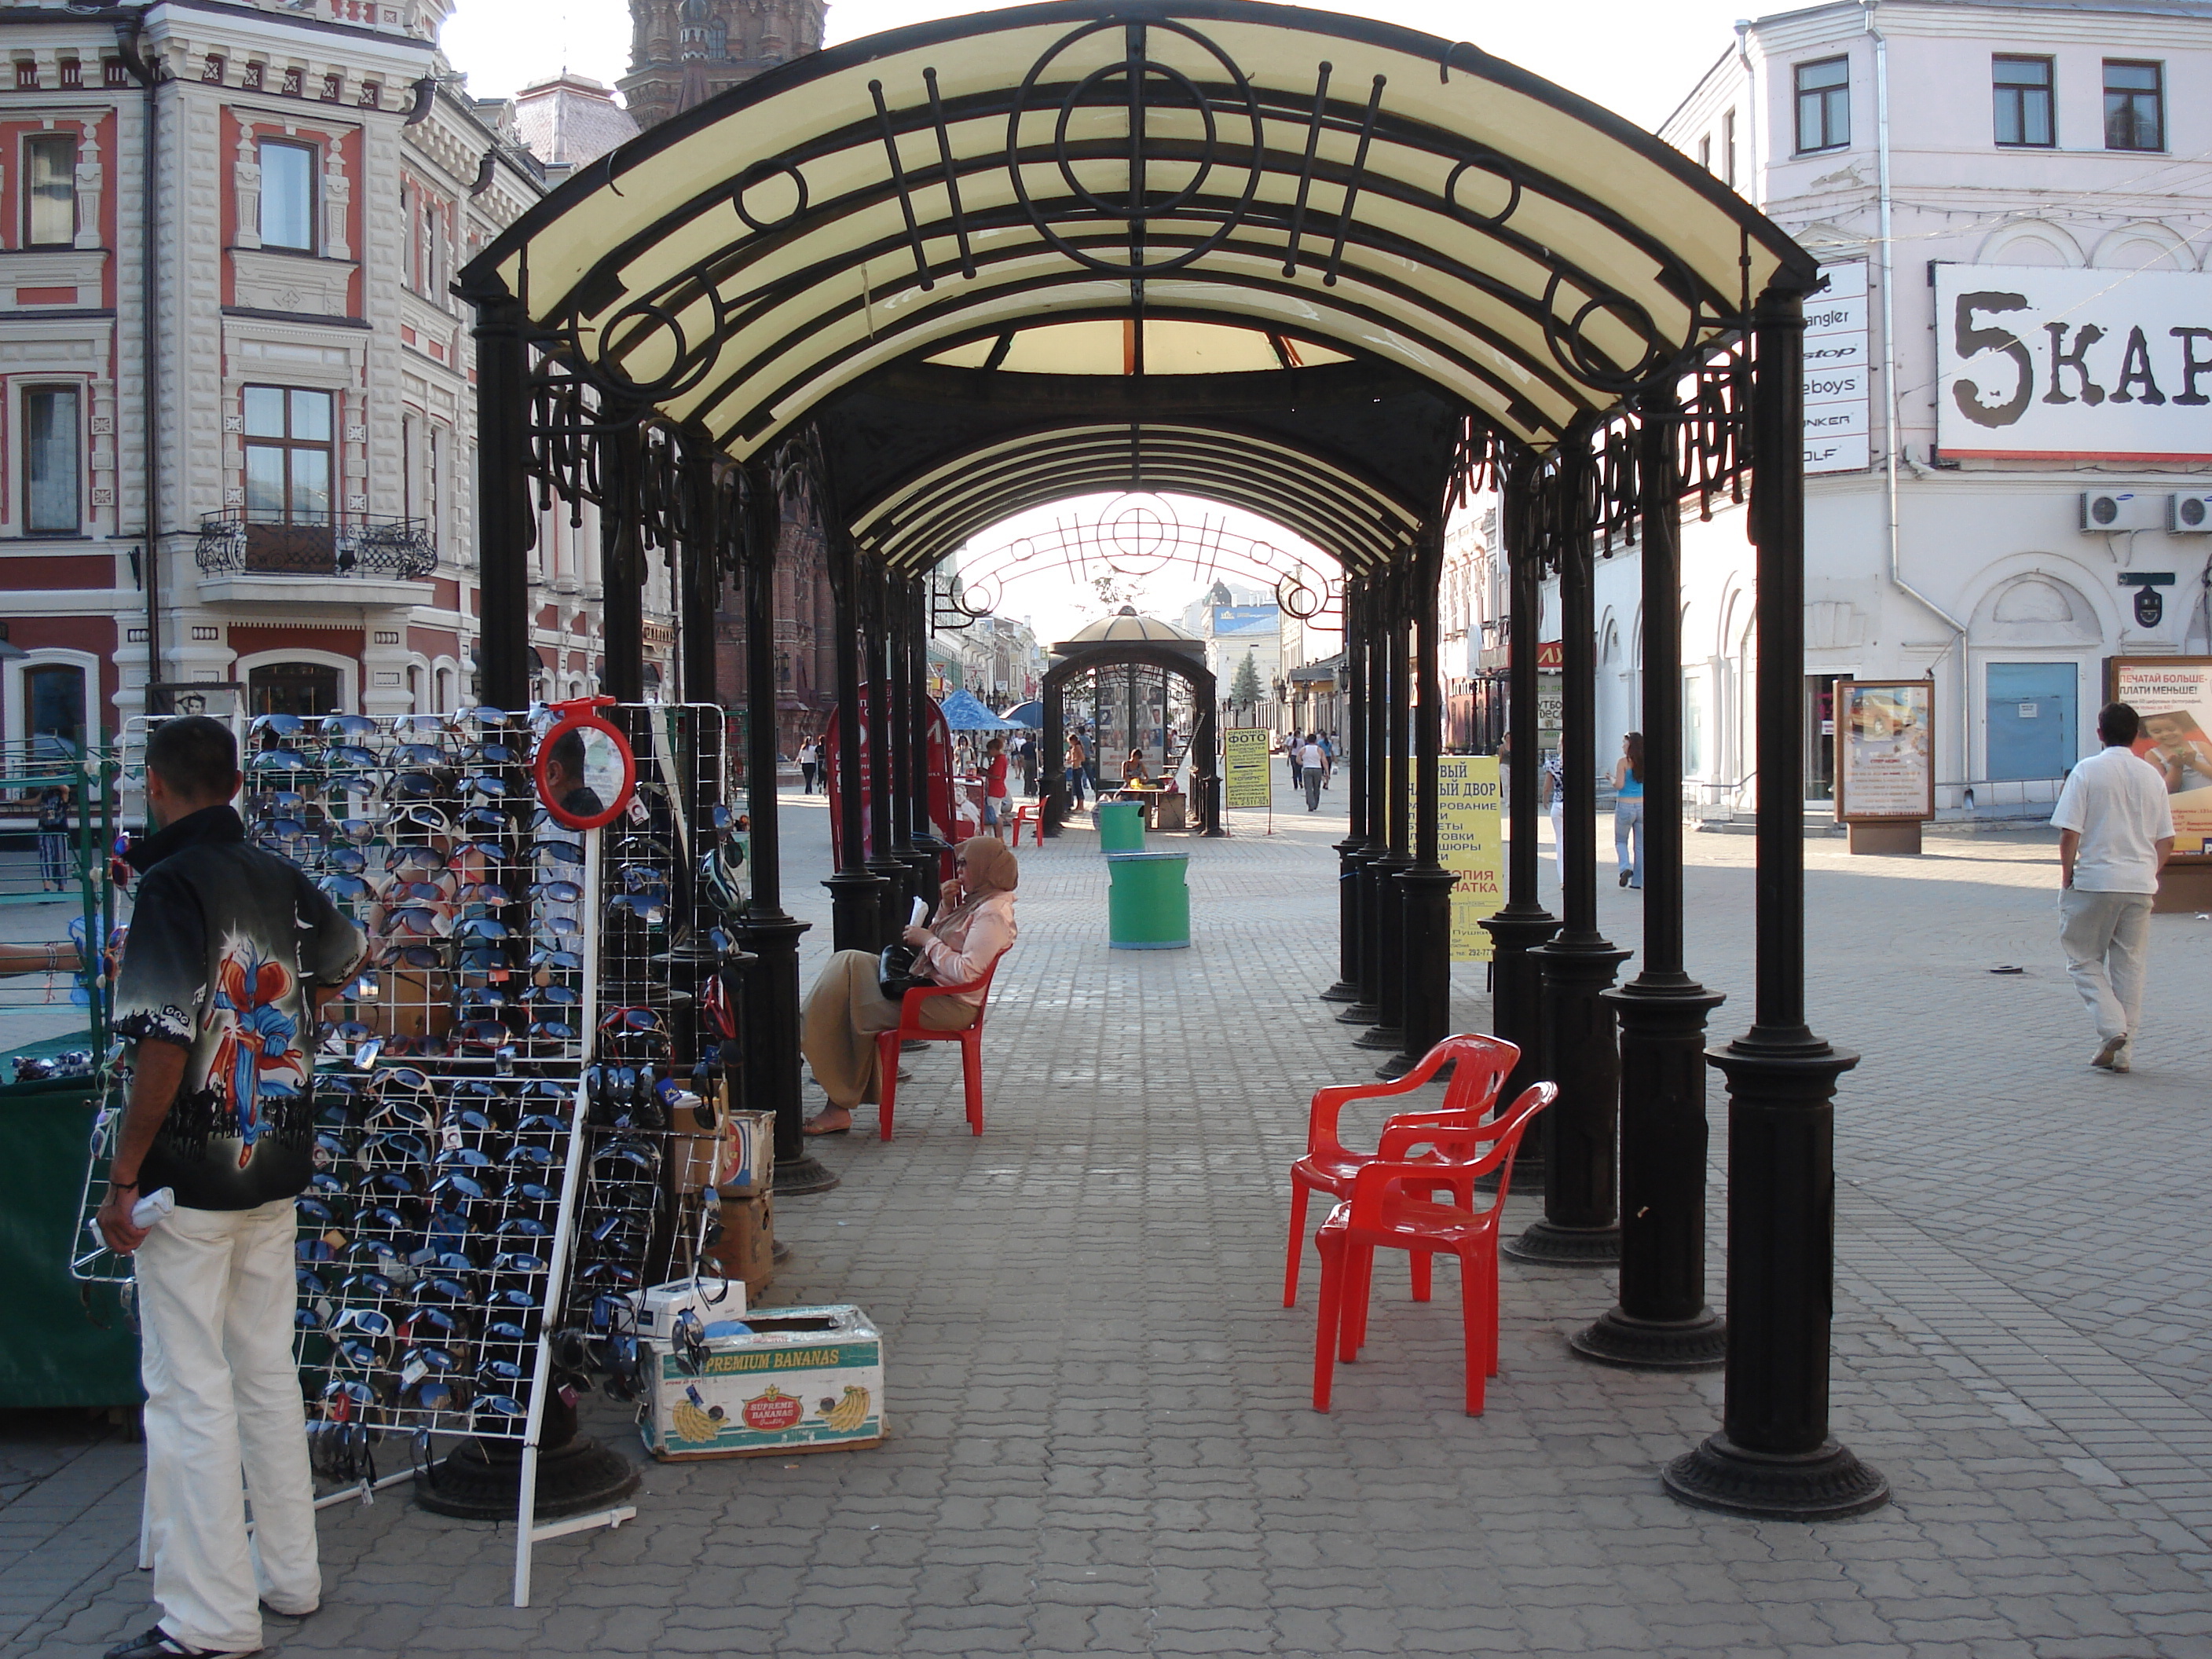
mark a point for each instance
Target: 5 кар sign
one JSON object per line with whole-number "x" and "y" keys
{"x": 2066, "y": 365}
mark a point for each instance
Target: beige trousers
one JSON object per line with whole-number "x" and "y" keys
{"x": 846, "y": 1013}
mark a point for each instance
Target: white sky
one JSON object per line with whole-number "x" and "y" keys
{"x": 1637, "y": 57}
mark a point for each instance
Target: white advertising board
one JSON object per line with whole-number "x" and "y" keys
{"x": 1836, "y": 372}
{"x": 2073, "y": 365}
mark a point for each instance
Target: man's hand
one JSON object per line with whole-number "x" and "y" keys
{"x": 114, "y": 1218}
{"x": 2070, "y": 843}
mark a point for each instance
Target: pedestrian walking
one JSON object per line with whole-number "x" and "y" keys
{"x": 1628, "y": 810}
{"x": 1078, "y": 758}
{"x": 231, "y": 951}
{"x": 809, "y": 759}
{"x": 998, "y": 809}
{"x": 1554, "y": 792}
{"x": 1328, "y": 759}
{"x": 2115, "y": 828}
{"x": 1027, "y": 750}
{"x": 1294, "y": 751}
{"x": 1309, "y": 759}
{"x": 53, "y": 838}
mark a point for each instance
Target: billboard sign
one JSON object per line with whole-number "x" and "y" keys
{"x": 2173, "y": 695}
{"x": 1836, "y": 372}
{"x": 2058, "y": 364}
{"x": 1245, "y": 619}
{"x": 1884, "y": 750}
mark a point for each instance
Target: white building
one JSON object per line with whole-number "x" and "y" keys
{"x": 272, "y": 302}
{"x": 2013, "y": 209}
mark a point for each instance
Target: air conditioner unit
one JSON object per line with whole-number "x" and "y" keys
{"x": 2119, "y": 509}
{"x": 2189, "y": 515}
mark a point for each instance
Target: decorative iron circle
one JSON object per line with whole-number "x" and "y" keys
{"x": 1295, "y": 598}
{"x": 1140, "y": 538}
{"x": 1574, "y": 351}
{"x": 1136, "y": 209}
{"x": 1474, "y": 216}
{"x": 759, "y": 173}
{"x": 629, "y": 328}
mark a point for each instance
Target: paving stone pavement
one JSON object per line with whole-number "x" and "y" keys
{"x": 1102, "y": 1437}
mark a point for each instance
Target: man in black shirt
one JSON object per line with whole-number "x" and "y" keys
{"x": 231, "y": 950}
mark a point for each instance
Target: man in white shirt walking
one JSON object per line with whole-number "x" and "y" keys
{"x": 2114, "y": 832}
{"x": 1309, "y": 759}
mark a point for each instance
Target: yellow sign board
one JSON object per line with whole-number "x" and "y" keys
{"x": 1244, "y": 780}
{"x": 1470, "y": 843}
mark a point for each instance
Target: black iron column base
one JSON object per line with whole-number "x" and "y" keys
{"x": 771, "y": 1045}
{"x": 482, "y": 1479}
{"x": 1340, "y": 992}
{"x": 1825, "y": 1484}
{"x": 1697, "y": 1344}
{"x": 1359, "y": 1013}
{"x": 891, "y": 903}
{"x": 1425, "y": 895}
{"x": 798, "y": 1177}
{"x": 1546, "y": 1244}
{"x": 1390, "y": 1038}
{"x": 856, "y": 909}
{"x": 1351, "y": 854}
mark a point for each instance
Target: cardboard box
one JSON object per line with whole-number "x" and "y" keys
{"x": 748, "y": 1162}
{"x": 806, "y": 1379}
{"x": 747, "y": 1249}
{"x": 658, "y": 1307}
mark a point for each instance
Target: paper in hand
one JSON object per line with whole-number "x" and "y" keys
{"x": 921, "y": 910}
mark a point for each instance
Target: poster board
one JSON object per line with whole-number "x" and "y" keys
{"x": 1885, "y": 751}
{"x": 1471, "y": 845}
{"x": 1245, "y": 779}
{"x": 2173, "y": 695}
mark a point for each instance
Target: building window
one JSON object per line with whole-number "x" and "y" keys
{"x": 2135, "y": 105}
{"x": 51, "y": 461}
{"x": 53, "y": 699}
{"x": 1824, "y": 105}
{"x": 288, "y": 195}
{"x": 305, "y": 689}
{"x": 1728, "y": 148}
{"x": 1705, "y": 152}
{"x": 50, "y": 192}
{"x": 2022, "y": 89}
{"x": 288, "y": 455}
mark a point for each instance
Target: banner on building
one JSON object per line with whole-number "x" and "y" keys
{"x": 1244, "y": 767}
{"x": 1470, "y": 844}
{"x": 1231, "y": 619}
{"x": 2173, "y": 695}
{"x": 2059, "y": 364}
{"x": 1884, "y": 750}
{"x": 1836, "y": 372}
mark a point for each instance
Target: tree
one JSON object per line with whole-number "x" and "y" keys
{"x": 1244, "y": 686}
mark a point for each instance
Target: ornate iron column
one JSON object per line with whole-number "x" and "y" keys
{"x": 621, "y": 565}
{"x": 1057, "y": 799}
{"x": 1580, "y": 1228}
{"x": 1426, "y": 887}
{"x": 1374, "y": 718}
{"x": 771, "y": 980}
{"x": 702, "y": 569}
{"x": 1517, "y": 988}
{"x": 1352, "y": 852}
{"x": 1388, "y": 1031}
{"x": 855, "y": 891}
{"x": 1662, "y": 1322}
{"x": 919, "y": 844}
{"x": 1774, "y": 1455}
{"x": 883, "y": 858}
{"x": 506, "y": 527}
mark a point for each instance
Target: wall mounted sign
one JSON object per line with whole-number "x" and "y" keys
{"x": 2173, "y": 695}
{"x": 1836, "y": 372}
{"x": 1885, "y": 751}
{"x": 2058, "y": 364}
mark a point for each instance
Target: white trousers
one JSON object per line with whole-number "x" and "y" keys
{"x": 2105, "y": 936}
{"x": 215, "y": 1300}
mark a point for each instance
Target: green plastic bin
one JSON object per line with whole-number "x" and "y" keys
{"x": 1121, "y": 826}
{"x": 1148, "y": 907}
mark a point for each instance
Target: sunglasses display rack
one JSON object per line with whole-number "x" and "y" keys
{"x": 501, "y": 1154}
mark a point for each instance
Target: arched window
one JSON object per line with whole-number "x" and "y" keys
{"x": 306, "y": 688}
{"x": 53, "y": 696}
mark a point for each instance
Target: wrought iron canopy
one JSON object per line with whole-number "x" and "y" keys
{"x": 1384, "y": 193}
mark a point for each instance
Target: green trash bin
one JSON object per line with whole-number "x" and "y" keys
{"x": 1148, "y": 907}
{"x": 1121, "y": 826}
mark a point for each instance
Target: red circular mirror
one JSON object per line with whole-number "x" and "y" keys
{"x": 584, "y": 767}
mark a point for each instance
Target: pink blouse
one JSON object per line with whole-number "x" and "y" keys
{"x": 969, "y": 945}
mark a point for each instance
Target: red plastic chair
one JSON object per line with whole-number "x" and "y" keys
{"x": 911, "y": 1029}
{"x": 1383, "y": 1214}
{"x": 1480, "y": 1067}
{"x": 1029, "y": 815}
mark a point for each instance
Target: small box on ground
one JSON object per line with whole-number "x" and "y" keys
{"x": 658, "y": 1308}
{"x": 804, "y": 1379}
{"x": 746, "y": 1249}
{"x": 749, "y": 1155}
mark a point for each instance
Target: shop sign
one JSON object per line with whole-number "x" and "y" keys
{"x": 1244, "y": 780}
{"x": 2173, "y": 695}
{"x": 1470, "y": 844}
{"x": 1884, "y": 750}
{"x": 2059, "y": 364}
{"x": 1836, "y": 372}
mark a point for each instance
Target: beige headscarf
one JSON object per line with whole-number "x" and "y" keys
{"x": 991, "y": 867}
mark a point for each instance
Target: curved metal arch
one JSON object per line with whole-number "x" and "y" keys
{"x": 1595, "y": 247}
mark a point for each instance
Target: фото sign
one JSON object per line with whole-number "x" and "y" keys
{"x": 1836, "y": 372}
{"x": 2073, "y": 365}
{"x": 1244, "y": 781}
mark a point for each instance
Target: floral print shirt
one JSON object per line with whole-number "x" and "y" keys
{"x": 226, "y": 943}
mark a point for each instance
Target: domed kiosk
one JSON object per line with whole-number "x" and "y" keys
{"x": 1129, "y": 662}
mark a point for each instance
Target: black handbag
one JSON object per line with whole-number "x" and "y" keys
{"x": 896, "y": 971}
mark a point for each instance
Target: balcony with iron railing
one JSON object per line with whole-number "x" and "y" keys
{"x": 235, "y": 544}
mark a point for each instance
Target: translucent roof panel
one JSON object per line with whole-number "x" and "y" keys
{"x": 1114, "y": 348}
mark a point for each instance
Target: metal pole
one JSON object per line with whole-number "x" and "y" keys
{"x": 883, "y": 858}
{"x": 1774, "y": 1455}
{"x": 1375, "y": 747}
{"x": 1351, "y": 852}
{"x": 1058, "y": 798}
{"x": 1662, "y": 1322}
{"x": 1388, "y": 1031}
{"x": 855, "y": 891}
{"x": 702, "y": 573}
{"x": 505, "y": 523}
{"x": 1426, "y": 888}
{"x": 770, "y": 982}
{"x": 1580, "y": 1228}
{"x": 1517, "y": 993}
{"x": 622, "y": 567}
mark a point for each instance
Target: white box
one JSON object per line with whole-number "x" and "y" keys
{"x": 658, "y": 1308}
{"x": 806, "y": 1379}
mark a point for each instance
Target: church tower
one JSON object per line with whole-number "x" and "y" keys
{"x": 684, "y": 51}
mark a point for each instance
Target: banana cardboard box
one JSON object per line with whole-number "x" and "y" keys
{"x": 800, "y": 1379}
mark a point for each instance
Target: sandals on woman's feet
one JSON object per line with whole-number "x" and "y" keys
{"x": 810, "y": 1127}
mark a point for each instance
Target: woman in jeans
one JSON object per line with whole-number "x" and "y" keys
{"x": 1628, "y": 809}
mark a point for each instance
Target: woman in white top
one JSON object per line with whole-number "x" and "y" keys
{"x": 846, "y": 1009}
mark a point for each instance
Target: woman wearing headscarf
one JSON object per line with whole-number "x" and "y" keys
{"x": 846, "y": 1010}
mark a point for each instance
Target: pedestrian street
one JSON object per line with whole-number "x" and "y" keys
{"x": 1101, "y": 1435}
